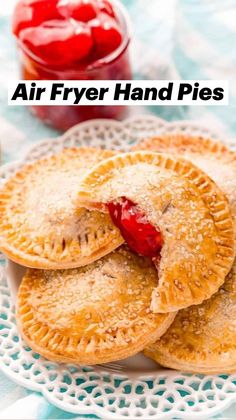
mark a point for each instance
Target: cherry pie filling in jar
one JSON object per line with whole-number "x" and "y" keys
{"x": 73, "y": 40}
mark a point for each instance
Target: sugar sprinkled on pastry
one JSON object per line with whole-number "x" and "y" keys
{"x": 214, "y": 158}
{"x": 202, "y": 338}
{"x": 40, "y": 224}
{"x": 93, "y": 314}
{"x": 185, "y": 213}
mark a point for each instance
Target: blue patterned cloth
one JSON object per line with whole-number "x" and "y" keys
{"x": 185, "y": 39}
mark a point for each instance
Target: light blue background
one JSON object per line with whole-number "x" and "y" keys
{"x": 187, "y": 39}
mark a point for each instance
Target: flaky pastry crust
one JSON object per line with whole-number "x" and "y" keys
{"x": 93, "y": 314}
{"x": 214, "y": 158}
{"x": 202, "y": 338}
{"x": 189, "y": 209}
{"x": 40, "y": 224}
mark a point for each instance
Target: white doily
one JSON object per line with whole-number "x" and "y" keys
{"x": 135, "y": 388}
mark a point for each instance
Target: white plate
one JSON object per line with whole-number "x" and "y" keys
{"x": 136, "y": 387}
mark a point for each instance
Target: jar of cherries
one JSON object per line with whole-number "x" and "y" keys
{"x": 73, "y": 40}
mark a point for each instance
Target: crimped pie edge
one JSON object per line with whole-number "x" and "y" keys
{"x": 36, "y": 261}
{"x": 25, "y": 316}
{"x": 211, "y": 363}
{"x": 218, "y": 207}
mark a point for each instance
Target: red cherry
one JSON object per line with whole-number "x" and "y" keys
{"x": 106, "y": 34}
{"x": 106, "y": 7}
{"x": 58, "y": 41}
{"x": 141, "y": 236}
{"x": 30, "y": 13}
{"x": 84, "y": 10}
{"x": 63, "y": 32}
{"x": 81, "y": 10}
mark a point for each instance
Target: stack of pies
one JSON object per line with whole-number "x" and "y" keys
{"x": 126, "y": 253}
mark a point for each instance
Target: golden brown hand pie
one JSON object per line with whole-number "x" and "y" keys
{"x": 202, "y": 338}
{"x": 212, "y": 157}
{"x": 40, "y": 225}
{"x": 93, "y": 314}
{"x": 182, "y": 203}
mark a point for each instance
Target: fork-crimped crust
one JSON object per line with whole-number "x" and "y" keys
{"x": 186, "y": 205}
{"x": 40, "y": 223}
{"x": 93, "y": 314}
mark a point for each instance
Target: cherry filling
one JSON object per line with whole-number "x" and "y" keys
{"x": 141, "y": 236}
{"x": 69, "y": 39}
{"x": 65, "y": 33}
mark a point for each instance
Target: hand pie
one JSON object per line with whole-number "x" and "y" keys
{"x": 214, "y": 158}
{"x": 202, "y": 338}
{"x": 40, "y": 224}
{"x": 93, "y": 314}
{"x": 169, "y": 207}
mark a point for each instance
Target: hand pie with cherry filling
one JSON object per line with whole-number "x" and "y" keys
{"x": 40, "y": 224}
{"x": 178, "y": 215}
{"x": 93, "y": 314}
{"x": 214, "y": 158}
{"x": 202, "y": 338}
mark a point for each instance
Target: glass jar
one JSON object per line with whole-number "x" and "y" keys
{"x": 115, "y": 66}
